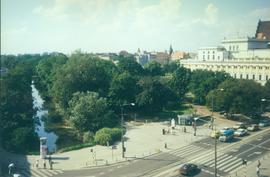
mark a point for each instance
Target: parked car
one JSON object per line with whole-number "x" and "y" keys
{"x": 240, "y": 132}
{"x": 264, "y": 123}
{"x": 188, "y": 169}
{"x": 253, "y": 127}
{"x": 240, "y": 125}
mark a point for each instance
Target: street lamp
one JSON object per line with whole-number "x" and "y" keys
{"x": 122, "y": 125}
{"x": 215, "y": 131}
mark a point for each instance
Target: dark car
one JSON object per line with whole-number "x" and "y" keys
{"x": 188, "y": 169}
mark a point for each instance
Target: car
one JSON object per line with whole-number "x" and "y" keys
{"x": 240, "y": 132}
{"x": 240, "y": 125}
{"x": 253, "y": 127}
{"x": 188, "y": 169}
{"x": 224, "y": 129}
{"x": 264, "y": 123}
{"x": 215, "y": 134}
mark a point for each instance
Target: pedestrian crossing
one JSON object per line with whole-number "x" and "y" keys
{"x": 225, "y": 163}
{"x": 38, "y": 172}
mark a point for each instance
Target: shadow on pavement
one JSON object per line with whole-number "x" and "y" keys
{"x": 60, "y": 158}
{"x": 20, "y": 163}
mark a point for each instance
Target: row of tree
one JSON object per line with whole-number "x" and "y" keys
{"x": 89, "y": 92}
{"x": 16, "y": 110}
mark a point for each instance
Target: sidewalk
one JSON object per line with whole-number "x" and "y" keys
{"x": 250, "y": 169}
{"x": 141, "y": 140}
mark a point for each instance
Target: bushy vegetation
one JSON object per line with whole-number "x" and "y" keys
{"x": 108, "y": 135}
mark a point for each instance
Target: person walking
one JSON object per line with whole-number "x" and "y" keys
{"x": 258, "y": 170}
{"x": 37, "y": 163}
{"x": 51, "y": 165}
{"x": 44, "y": 164}
{"x": 259, "y": 163}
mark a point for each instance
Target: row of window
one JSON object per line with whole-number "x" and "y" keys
{"x": 233, "y": 48}
{"x": 213, "y": 57}
{"x": 252, "y": 76}
{"x": 239, "y": 67}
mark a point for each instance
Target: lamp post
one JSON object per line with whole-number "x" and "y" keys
{"x": 215, "y": 132}
{"x": 122, "y": 125}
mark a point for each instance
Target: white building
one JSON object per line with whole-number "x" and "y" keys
{"x": 242, "y": 58}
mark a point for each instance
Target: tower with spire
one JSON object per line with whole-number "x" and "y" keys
{"x": 170, "y": 50}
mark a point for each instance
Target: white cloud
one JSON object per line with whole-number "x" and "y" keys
{"x": 211, "y": 12}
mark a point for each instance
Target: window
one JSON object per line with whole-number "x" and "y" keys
{"x": 213, "y": 57}
{"x": 253, "y": 77}
{"x": 266, "y": 78}
{"x": 208, "y": 57}
{"x": 234, "y": 75}
{"x": 237, "y": 47}
{"x": 241, "y": 76}
{"x": 260, "y": 67}
{"x": 203, "y": 57}
{"x": 247, "y": 76}
{"x": 230, "y": 48}
{"x": 218, "y": 57}
{"x": 213, "y": 52}
{"x": 260, "y": 77}
{"x": 233, "y": 47}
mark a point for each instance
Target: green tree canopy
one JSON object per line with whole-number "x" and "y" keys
{"x": 179, "y": 82}
{"x": 153, "y": 95}
{"x": 123, "y": 89}
{"x": 203, "y": 81}
{"x": 237, "y": 96}
{"x": 89, "y": 112}
{"x": 153, "y": 68}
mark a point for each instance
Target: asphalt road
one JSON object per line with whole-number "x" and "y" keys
{"x": 230, "y": 156}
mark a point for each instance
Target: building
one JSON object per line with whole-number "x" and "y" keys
{"x": 178, "y": 55}
{"x": 242, "y": 58}
{"x": 263, "y": 30}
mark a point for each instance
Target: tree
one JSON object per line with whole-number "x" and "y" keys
{"x": 203, "y": 81}
{"x": 131, "y": 66}
{"x": 153, "y": 68}
{"x": 16, "y": 108}
{"x": 46, "y": 71}
{"x": 89, "y": 112}
{"x": 179, "y": 82}
{"x": 123, "y": 89}
{"x": 237, "y": 97}
{"x": 153, "y": 95}
{"x": 81, "y": 73}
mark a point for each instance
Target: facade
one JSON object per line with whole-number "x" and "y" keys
{"x": 178, "y": 55}
{"x": 242, "y": 58}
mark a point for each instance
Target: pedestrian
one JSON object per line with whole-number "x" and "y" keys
{"x": 50, "y": 158}
{"x": 51, "y": 165}
{"x": 37, "y": 162}
{"x": 258, "y": 171}
{"x": 165, "y": 145}
{"x": 185, "y": 130}
{"x": 259, "y": 163}
{"x": 44, "y": 164}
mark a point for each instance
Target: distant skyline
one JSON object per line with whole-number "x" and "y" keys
{"x": 37, "y": 26}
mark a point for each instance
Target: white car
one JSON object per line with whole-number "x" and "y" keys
{"x": 240, "y": 132}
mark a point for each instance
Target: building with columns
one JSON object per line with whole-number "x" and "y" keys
{"x": 242, "y": 58}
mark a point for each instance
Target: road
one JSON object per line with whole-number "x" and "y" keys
{"x": 229, "y": 159}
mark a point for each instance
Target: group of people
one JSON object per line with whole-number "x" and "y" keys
{"x": 44, "y": 163}
{"x": 244, "y": 162}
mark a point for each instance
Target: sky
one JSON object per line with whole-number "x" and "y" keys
{"x": 37, "y": 26}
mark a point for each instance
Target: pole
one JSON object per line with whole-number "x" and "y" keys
{"x": 215, "y": 155}
{"x": 212, "y": 112}
{"x": 122, "y": 132}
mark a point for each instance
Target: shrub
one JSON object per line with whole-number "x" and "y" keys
{"x": 110, "y": 135}
{"x": 88, "y": 137}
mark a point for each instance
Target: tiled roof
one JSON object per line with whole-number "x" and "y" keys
{"x": 263, "y": 30}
